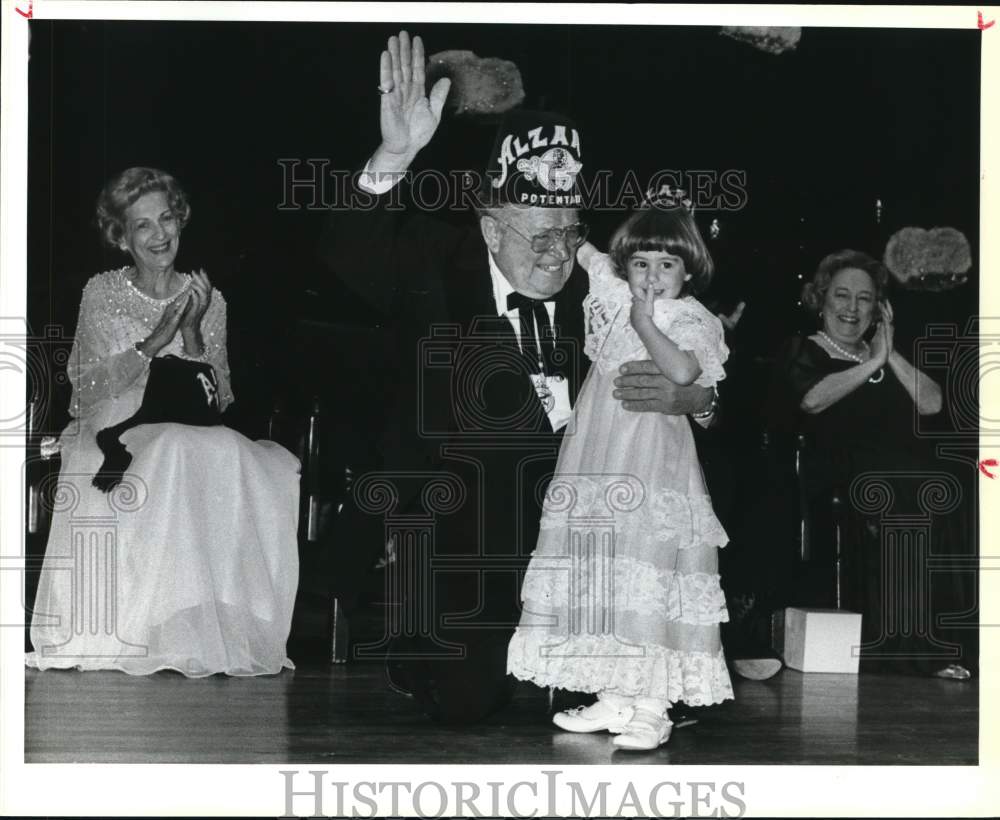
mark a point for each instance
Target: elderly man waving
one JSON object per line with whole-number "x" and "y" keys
{"x": 489, "y": 328}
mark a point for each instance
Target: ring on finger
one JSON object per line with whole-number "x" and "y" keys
{"x": 383, "y": 90}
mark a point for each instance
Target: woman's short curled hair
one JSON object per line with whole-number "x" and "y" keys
{"x": 814, "y": 291}
{"x": 123, "y": 190}
{"x": 668, "y": 230}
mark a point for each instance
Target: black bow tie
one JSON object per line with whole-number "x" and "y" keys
{"x": 531, "y": 344}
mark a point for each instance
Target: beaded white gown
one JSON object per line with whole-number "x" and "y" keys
{"x": 622, "y": 592}
{"x": 191, "y": 563}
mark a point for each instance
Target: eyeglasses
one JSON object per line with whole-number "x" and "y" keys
{"x": 573, "y": 235}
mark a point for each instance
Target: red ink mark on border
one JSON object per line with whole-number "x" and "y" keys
{"x": 31, "y": 3}
{"x": 989, "y": 462}
{"x": 983, "y": 26}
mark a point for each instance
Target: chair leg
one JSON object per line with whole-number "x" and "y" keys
{"x": 339, "y": 634}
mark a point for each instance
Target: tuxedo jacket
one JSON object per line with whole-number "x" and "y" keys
{"x": 468, "y": 449}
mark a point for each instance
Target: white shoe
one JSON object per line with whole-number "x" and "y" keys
{"x": 757, "y": 668}
{"x": 598, "y": 717}
{"x": 954, "y": 672}
{"x": 644, "y": 732}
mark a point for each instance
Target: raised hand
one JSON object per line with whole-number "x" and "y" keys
{"x": 166, "y": 328}
{"x": 408, "y": 116}
{"x": 730, "y": 321}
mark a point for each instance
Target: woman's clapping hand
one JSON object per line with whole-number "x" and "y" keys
{"x": 166, "y": 328}
{"x": 201, "y": 295}
{"x": 883, "y": 339}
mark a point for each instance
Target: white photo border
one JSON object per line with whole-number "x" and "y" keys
{"x": 858, "y": 791}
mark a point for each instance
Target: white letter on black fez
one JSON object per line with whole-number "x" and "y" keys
{"x": 506, "y": 157}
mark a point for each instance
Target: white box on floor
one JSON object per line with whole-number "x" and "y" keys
{"x": 818, "y": 640}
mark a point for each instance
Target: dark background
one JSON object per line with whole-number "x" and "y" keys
{"x": 822, "y": 132}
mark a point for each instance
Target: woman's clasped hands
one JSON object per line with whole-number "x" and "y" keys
{"x": 882, "y": 341}
{"x": 200, "y": 293}
{"x": 185, "y": 313}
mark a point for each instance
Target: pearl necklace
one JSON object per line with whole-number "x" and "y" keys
{"x": 157, "y": 300}
{"x": 853, "y": 356}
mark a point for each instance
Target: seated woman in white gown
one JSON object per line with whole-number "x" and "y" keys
{"x": 191, "y": 562}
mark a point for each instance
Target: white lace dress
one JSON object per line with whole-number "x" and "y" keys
{"x": 622, "y": 593}
{"x": 191, "y": 563}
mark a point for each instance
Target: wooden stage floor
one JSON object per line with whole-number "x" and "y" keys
{"x": 345, "y": 714}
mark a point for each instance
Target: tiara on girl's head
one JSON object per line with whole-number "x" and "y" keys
{"x": 668, "y": 196}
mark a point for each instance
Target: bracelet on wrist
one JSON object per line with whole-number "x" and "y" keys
{"x": 142, "y": 355}
{"x": 710, "y": 410}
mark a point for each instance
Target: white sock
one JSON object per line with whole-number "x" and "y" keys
{"x": 657, "y": 706}
{"x": 615, "y": 701}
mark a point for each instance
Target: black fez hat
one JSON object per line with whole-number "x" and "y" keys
{"x": 535, "y": 162}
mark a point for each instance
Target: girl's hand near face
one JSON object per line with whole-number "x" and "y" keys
{"x": 642, "y": 309}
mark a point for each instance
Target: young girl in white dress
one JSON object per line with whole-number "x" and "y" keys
{"x": 622, "y": 594}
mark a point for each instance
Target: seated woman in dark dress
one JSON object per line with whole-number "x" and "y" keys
{"x": 905, "y": 516}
